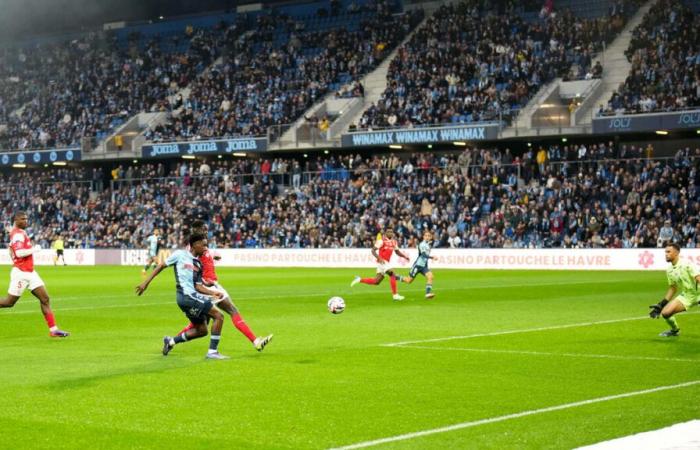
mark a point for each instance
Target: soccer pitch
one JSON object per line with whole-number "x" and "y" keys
{"x": 499, "y": 359}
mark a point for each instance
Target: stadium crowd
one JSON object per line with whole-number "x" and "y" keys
{"x": 61, "y": 92}
{"x": 246, "y": 94}
{"x": 665, "y": 57}
{"x": 469, "y": 63}
{"x": 560, "y": 196}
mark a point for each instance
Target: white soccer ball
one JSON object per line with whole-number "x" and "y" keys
{"x": 336, "y": 305}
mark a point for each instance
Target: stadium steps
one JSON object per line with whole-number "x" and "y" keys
{"x": 616, "y": 67}
{"x": 349, "y": 110}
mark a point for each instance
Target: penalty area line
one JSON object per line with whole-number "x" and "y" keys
{"x": 522, "y": 330}
{"x": 459, "y": 426}
{"x": 565, "y": 354}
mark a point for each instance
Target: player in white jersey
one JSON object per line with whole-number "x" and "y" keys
{"x": 683, "y": 279}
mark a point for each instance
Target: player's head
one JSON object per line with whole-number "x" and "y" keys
{"x": 389, "y": 233}
{"x": 20, "y": 219}
{"x": 198, "y": 244}
{"x": 672, "y": 250}
{"x": 427, "y": 235}
{"x": 156, "y": 232}
{"x": 199, "y": 227}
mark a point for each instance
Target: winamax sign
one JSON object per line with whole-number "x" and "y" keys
{"x": 421, "y": 135}
{"x": 647, "y": 122}
{"x": 204, "y": 147}
{"x": 40, "y": 157}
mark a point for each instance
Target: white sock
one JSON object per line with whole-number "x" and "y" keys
{"x": 53, "y": 328}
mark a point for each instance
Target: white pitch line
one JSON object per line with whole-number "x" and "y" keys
{"x": 522, "y": 330}
{"x": 476, "y": 423}
{"x": 536, "y": 353}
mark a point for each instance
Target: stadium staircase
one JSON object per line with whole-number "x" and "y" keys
{"x": 547, "y": 113}
{"x": 616, "y": 67}
{"x": 344, "y": 111}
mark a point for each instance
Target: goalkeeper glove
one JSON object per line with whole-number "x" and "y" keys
{"x": 656, "y": 309}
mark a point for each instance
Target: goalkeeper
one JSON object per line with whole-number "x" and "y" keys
{"x": 682, "y": 277}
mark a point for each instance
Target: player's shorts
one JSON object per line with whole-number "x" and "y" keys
{"x": 195, "y": 306}
{"x": 152, "y": 254}
{"x": 384, "y": 268}
{"x": 217, "y": 287}
{"x": 415, "y": 270}
{"x": 59, "y": 252}
{"x": 19, "y": 281}
{"x": 688, "y": 299}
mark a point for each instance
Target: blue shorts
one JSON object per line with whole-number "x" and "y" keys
{"x": 195, "y": 306}
{"x": 415, "y": 270}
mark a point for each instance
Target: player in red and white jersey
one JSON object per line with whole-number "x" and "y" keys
{"x": 24, "y": 276}
{"x": 211, "y": 281}
{"x": 384, "y": 248}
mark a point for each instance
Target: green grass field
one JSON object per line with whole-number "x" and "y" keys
{"x": 524, "y": 341}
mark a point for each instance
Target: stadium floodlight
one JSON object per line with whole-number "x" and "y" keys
{"x": 396, "y": 146}
{"x": 19, "y": 166}
{"x": 59, "y": 163}
{"x": 187, "y": 156}
{"x": 564, "y": 139}
{"x": 662, "y": 132}
{"x": 460, "y": 144}
{"x": 240, "y": 154}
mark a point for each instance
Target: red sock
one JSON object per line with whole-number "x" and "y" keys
{"x": 50, "y": 320}
{"x": 187, "y": 328}
{"x": 239, "y": 323}
{"x": 392, "y": 281}
{"x": 368, "y": 281}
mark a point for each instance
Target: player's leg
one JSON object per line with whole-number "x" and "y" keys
{"x": 18, "y": 283}
{"x": 196, "y": 310}
{"x": 38, "y": 290}
{"x": 675, "y": 306}
{"x": 429, "y": 284}
{"x": 228, "y": 307}
{"x": 394, "y": 287}
{"x": 216, "y": 326}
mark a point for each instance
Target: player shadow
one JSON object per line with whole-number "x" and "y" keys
{"x": 156, "y": 366}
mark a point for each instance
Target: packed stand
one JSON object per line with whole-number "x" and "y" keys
{"x": 587, "y": 196}
{"x": 469, "y": 63}
{"x": 84, "y": 87}
{"x": 246, "y": 94}
{"x": 665, "y": 57}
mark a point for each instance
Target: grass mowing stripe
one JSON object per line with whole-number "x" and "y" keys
{"x": 568, "y": 355}
{"x": 459, "y": 426}
{"x": 523, "y": 330}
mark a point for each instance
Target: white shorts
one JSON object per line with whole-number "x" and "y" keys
{"x": 19, "y": 281}
{"x": 384, "y": 268}
{"x": 217, "y": 287}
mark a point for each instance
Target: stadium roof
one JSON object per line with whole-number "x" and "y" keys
{"x": 24, "y": 18}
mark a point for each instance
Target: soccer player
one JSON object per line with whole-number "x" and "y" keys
{"x": 383, "y": 250}
{"x": 153, "y": 244}
{"x": 24, "y": 276}
{"x": 193, "y": 298}
{"x": 224, "y": 303}
{"x": 421, "y": 265}
{"x": 58, "y": 246}
{"x": 684, "y": 277}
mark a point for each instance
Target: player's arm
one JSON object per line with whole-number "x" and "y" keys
{"x": 206, "y": 291}
{"x": 656, "y": 309}
{"x": 376, "y": 255}
{"x": 400, "y": 253}
{"x": 17, "y": 247}
{"x": 143, "y": 286}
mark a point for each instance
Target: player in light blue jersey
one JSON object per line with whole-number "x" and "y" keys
{"x": 420, "y": 265}
{"x": 193, "y": 298}
{"x": 153, "y": 242}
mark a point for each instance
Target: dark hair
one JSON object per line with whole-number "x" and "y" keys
{"x": 673, "y": 244}
{"x": 19, "y": 213}
{"x": 197, "y": 224}
{"x": 196, "y": 238}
